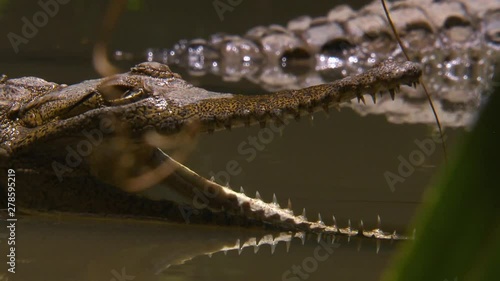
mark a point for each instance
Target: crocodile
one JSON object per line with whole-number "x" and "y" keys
{"x": 456, "y": 41}
{"x": 130, "y": 117}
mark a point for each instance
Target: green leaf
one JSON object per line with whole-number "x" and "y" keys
{"x": 458, "y": 228}
{"x": 134, "y": 5}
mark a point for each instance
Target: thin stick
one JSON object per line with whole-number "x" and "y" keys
{"x": 100, "y": 58}
{"x": 436, "y": 117}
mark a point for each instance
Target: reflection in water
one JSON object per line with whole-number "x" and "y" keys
{"x": 458, "y": 59}
{"x": 76, "y": 248}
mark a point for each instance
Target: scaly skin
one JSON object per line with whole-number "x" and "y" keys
{"x": 456, "y": 41}
{"x": 38, "y": 118}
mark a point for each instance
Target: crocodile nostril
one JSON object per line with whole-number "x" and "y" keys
{"x": 154, "y": 69}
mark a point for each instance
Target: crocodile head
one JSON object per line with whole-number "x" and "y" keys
{"x": 150, "y": 97}
{"x": 44, "y": 124}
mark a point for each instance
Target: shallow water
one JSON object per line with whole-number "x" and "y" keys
{"x": 335, "y": 165}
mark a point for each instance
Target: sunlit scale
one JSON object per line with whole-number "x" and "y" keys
{"x": 341, "y": 46}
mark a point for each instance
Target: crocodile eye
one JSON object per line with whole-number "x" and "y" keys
{"x": 118, "y": 95}
{"x": 32, "y": 119}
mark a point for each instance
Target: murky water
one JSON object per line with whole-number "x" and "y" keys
{"x": 335, "y": 165}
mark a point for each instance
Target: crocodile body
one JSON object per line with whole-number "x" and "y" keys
{"x": 126, "y": 116}
{"x": 121, "y": 115}
{"x": 457, "y": 42}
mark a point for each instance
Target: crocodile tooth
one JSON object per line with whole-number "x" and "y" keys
{"x": 275, "y": 200}
{"x": 302, "y": 236}
{"x": 319, "y": 237}
{"x": 361, "y": 225}
{"x": 289, "y": 207}
{"x": 242, "y": 191}
{"x": 333, "y": 239}
{"x": 256, "y": 249}
{"x": 334, "y": 221}
{"x": 361, "y": 98}
{"x": 320, "y": 220}
{"x": 358, "y": 247}
{"x": 273, "y": 248}
{"x": 392, "y": 93}
{"x": 212, "y": 179}
{"x": 374, "y": 98}
{"x": 378, "y": 245}
{"x": 288, "y": 243}
{"x": 238, "y": 244}
{"x": 349, "y": 226}
{"x": 304, "y": 214}
{"x": 257, "y": 196}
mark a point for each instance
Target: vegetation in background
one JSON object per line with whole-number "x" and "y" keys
{"x": 3, "y": 4}
{"x": 458, "y": 229}
{"x": 134, "y": 5}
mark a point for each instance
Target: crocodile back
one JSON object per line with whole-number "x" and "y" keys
{"x": 457, "y": 42}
